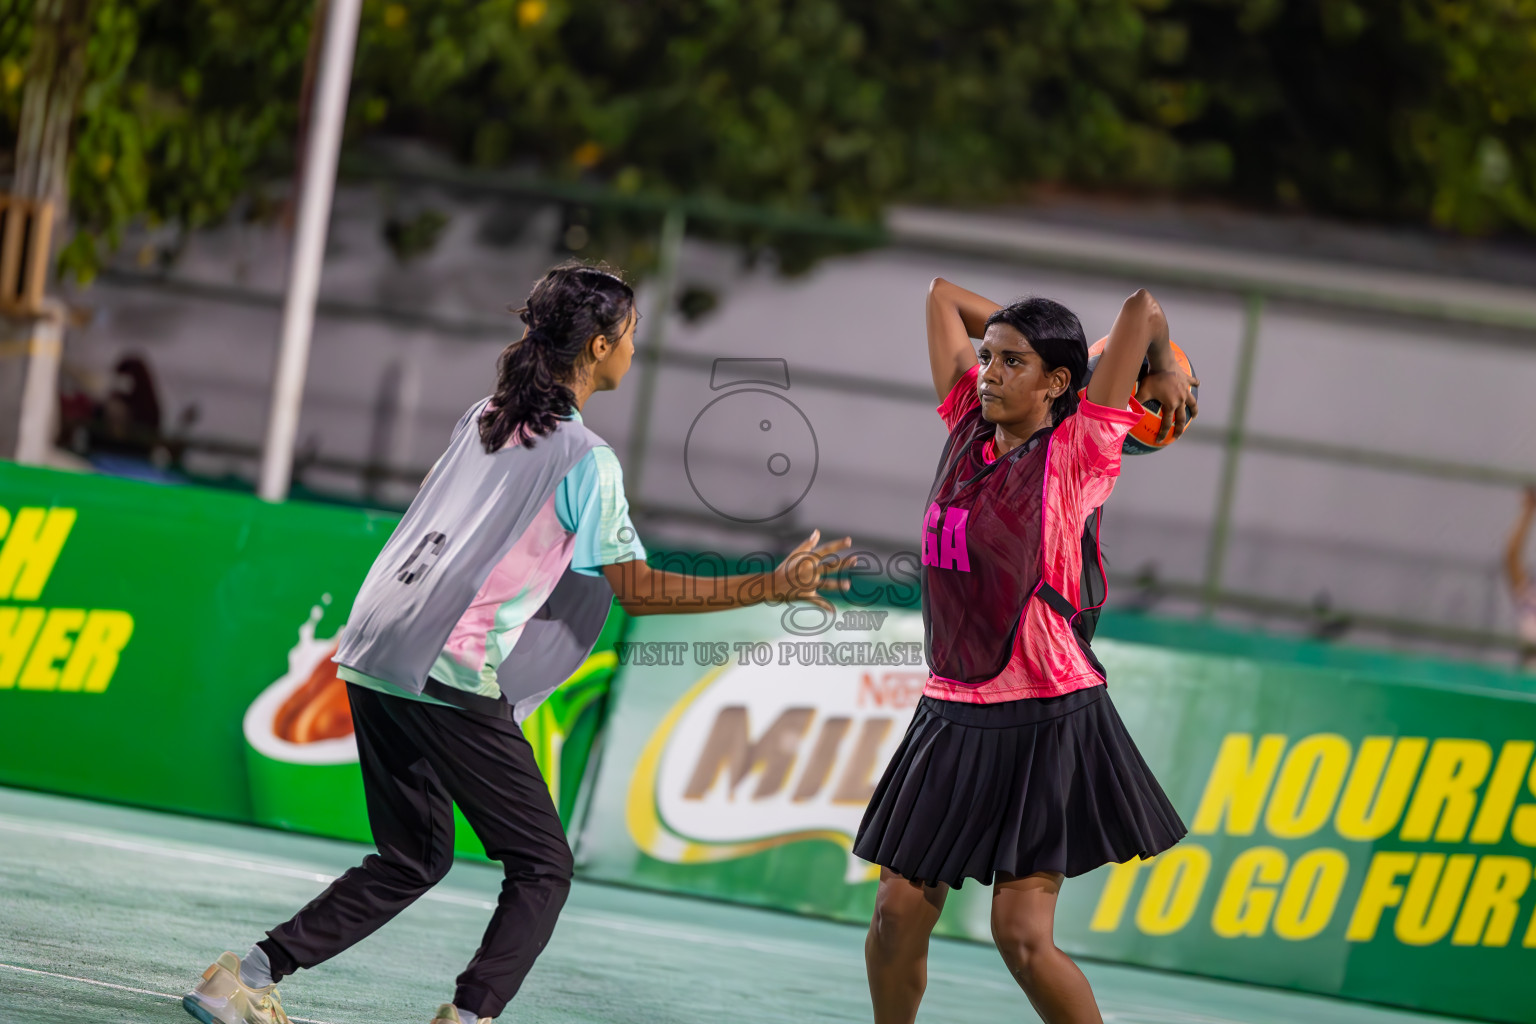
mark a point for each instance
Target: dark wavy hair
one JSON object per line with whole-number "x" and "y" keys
{"x": 570, "y": 305}
{"x": 1056, "y": 335}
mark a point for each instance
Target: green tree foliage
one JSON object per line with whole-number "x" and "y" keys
{"x": 820, "y": 104}
{"x": 1397, "y": 110}
{"x": 1400, "y": 110}
{"x": 189, "y": 104}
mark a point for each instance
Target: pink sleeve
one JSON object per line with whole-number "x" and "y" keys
{"x": 1089, "y": 441}
{"x": 960, "y": 400}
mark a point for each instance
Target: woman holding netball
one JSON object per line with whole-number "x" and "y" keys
{"x": 1016, "y": 770}
{"x": 489, "y": 593}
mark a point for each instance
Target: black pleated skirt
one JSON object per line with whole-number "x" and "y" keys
{"x": 1041, "y": 784}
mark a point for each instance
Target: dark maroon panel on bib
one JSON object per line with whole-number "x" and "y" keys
{"x": 981, "y": 551}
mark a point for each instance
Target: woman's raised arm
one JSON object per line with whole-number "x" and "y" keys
{"x": 1141, "y": 332}
{"x": 1514, "y": 551}
{"x": 955, "y": 316}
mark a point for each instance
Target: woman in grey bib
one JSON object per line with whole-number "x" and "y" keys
{"x": 490, "y": 592}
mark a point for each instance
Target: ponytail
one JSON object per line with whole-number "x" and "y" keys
{"x": 528, "y": 398}
{"x": 570, "y": 306}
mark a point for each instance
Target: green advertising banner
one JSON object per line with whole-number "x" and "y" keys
{"x": 170, "y": 647}
{"x": 1354, "y": 831}
{"x": 1350, "y": 835}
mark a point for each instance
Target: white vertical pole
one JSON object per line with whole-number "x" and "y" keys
{"x": 40, "y": 392}
{"x": 315, "y": 191}
{"x": 674, "y": 228}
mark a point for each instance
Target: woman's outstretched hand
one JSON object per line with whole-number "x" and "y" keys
{"x": 809, "y": 569}
{"x": 1173, "y": 391}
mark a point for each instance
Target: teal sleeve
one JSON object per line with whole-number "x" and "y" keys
{"x": 590, "y": 503}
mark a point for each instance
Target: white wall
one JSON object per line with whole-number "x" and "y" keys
{"x": 392, "y": 388}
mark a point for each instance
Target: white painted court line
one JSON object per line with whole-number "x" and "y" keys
{"x": 122, "y": 988}
{"x": 612, "y": 922}
{"x": 607, "y": 921}
{"x": 194, "y": 856}
{"x": 89, "y": 981}
{"x": 1110, "y": 1017}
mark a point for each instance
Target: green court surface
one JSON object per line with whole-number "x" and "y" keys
{"x": 107, "y": 914}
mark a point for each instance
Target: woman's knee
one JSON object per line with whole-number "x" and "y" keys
{"x": 1017, "y": 946}
{"x": 549, "y": 864}
{"x": 408, "y": 875}
{"x": 562, "y": 866}
{"x": 1022, "y": 938}
{"x": 1023, "y": 944}
{"x": 1023, "y": 920}
{"x": 904, "y": 912}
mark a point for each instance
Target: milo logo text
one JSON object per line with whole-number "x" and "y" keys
{"x": 70, "y": 650}
{"x": 836, "y": 758}
{"x": 757, "y": 755}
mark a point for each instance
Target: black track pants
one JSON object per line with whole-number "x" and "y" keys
{"x": 418, "y": 760}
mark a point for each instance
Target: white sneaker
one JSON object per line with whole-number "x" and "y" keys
{"x": 222, "y": 998}
{"x": 446, "y": 1014}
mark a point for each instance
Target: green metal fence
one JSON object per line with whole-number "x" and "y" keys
{"x": 1260, "y": 283}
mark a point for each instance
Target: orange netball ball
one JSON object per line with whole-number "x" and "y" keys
{"x": 1142, "y": 439}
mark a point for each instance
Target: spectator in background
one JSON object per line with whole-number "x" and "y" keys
{"x": 1522, "y": 588}
{"x": 122, "y": 431}
{"x": 130, "y": 415}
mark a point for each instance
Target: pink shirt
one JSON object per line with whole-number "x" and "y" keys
{"x": 1083, "y": 462}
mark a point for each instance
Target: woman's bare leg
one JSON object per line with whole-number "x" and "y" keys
{"x": 896, "y": 951}
{"x": 1023, "y": 923}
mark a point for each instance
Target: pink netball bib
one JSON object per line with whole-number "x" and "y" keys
{"x": 981, "y": 551}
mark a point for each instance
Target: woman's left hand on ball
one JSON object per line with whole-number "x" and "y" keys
{"x": 1173, "y": 391}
